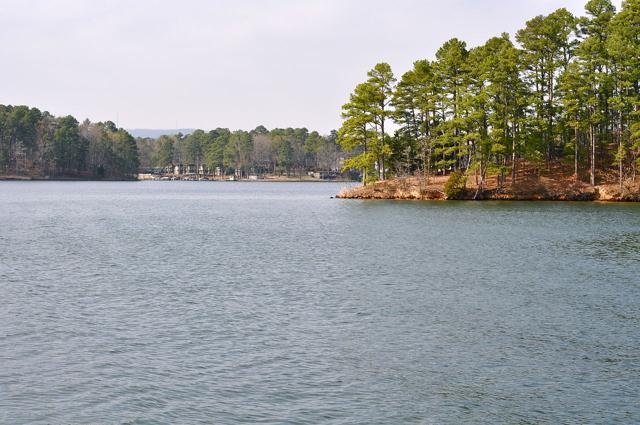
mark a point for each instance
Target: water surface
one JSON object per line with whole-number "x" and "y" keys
{"x": 200, "y": 302}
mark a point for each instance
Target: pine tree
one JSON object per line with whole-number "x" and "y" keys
{"x": 451, "y": 67}
{"x": 415, "y": 102}
{"x": 623, "y": 48}
{"x": 357, "y": 134}
{"x": 548, "y": 48}
{"x": 381, "y": 81}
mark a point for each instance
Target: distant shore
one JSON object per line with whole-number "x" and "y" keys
{"x": 225, "y": 179}
{"x": 266, "y": 178}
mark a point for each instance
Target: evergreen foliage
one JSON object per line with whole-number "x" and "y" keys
{"x": 567, "y": 90}
{"x": 281, "y": 151}
{"x": 454, "y": 187}
{"x": 37, "y": 144}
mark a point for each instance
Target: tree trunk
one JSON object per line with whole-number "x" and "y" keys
{"x": 620, "y": 152}
{"x": 513, "y": 159}
{"x": 382, "y": 155}
{"x": 364, "y": 170}
{"x": 592, "y": 138}
{"x": 429, "y": 166}
{"x": 575, "y": 154}
{"x": 620, "y": 162}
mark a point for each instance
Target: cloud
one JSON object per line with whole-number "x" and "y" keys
{"x": 227, "y": 63}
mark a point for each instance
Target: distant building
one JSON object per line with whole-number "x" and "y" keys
{"x": 326, "y": 175}
{"x": 184, "y": 169}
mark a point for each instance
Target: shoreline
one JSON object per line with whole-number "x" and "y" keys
{"x": 254, "y": 180}
{"x": 82, "y": 179}
{"x": 533, "y": 189}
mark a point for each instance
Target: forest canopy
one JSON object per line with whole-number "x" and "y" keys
{"x": 565, "y": 91}
{"x": 37, "y": 144}
{"x": 259, "y": 151}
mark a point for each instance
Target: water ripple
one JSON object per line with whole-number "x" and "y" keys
{"x": 176, "y": 302}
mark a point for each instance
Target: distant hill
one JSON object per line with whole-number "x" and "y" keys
{"x": 155, "y": 133}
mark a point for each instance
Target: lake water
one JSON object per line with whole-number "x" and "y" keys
{"x": 200, "y": 302}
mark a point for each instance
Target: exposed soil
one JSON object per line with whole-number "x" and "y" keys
{"x": 532, "y": 184}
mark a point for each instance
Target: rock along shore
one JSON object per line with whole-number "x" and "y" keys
{"x": 529, "y": 189}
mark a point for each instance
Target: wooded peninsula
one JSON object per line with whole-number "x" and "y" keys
{"x": 555, "y": 115}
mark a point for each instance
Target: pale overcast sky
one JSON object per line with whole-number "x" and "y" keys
{"x": 236, "y": 64}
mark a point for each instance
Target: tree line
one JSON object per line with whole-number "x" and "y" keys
{"x": 259, "y": 151}
{"x": 37, "y": 144}
{"x": 567, "y": 91}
